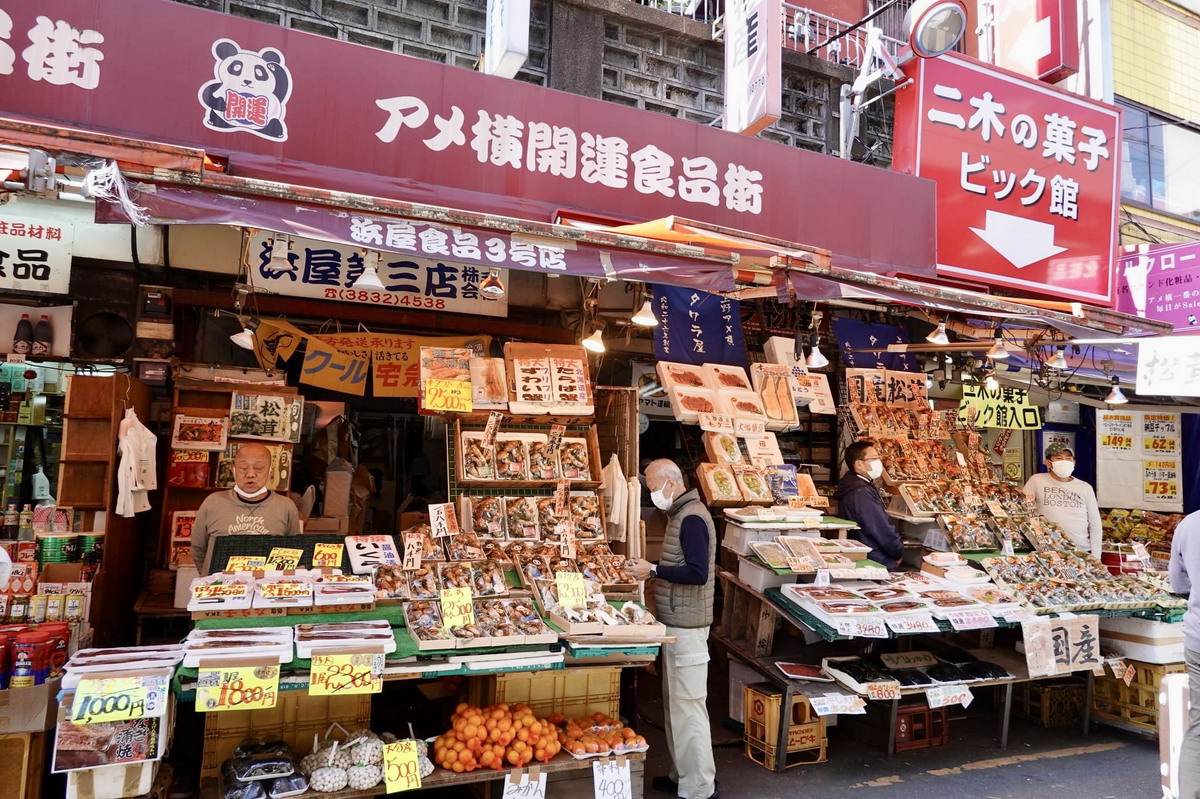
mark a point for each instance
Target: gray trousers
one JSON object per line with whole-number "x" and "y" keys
{"x": 1189, "y": 752}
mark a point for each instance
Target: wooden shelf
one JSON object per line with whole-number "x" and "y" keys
{"x": 548, "y": 485}
{"x": 480, "y": 418}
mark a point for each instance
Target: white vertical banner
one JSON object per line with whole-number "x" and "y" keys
{"x": 753, "y": 65}
{"x": 506, "y": 42}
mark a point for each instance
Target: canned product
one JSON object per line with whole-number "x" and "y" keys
{"x": 37, "y": 608}
{"x": 31, "y": 659}
{"x": 60, "y": 638}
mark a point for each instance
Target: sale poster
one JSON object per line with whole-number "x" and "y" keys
{"x": 1139, "y": 460}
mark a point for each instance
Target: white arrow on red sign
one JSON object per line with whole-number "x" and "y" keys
{"x": 1019, "y": 241}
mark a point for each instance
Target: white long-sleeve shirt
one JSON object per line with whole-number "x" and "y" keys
{"x": 1072, "y": 506}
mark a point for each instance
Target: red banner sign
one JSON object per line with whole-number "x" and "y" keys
{"x": 1027, "y": 177}
{"x": 298, "y": 108}
{"x": 1037, "y": 38}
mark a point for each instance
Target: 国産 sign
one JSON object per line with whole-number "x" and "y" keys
{"x": 415, "y": 131}
{"x": 1027, "y": 176}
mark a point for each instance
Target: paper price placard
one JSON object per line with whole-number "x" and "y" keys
{"x": 245, "y": 563}
{"x": 915, "y": 623}
{"x": 119, "y": 699}
{"x": 561, "y": 491}
{"x": 414, "y": 547}
{"x": 716, "y": 423}
{"x": 862, "y": 628}
{"x": 942, "y": 695}
{"x": 974, "y": 619}
{"x": 401, "y": 769}
{"x": 525, "y": 784}
{"x": 220, "y": 590}
{"x": 283, "y": 558}
{"x": 567, "y": 540}
{"x": 279, "y": 590}
{"x": 443, "y": 520}
{"x": 571, "y": 593}
{"x": 745, "y": 427}
{"x": 236, "y": 688}
{"x": 822, "y": 579}
{"x": 838, "y": 704}
{"x": 611, "y": 779}
{"x": 327, "y": 554}
{"x": 802, "y": 565}
{"x": 342, "y": 674}
{"x": 883, "y": 690}
{"x": 457, "y": 610}
{"x": 448, "y": 396}
{"x": 490, "y": 430}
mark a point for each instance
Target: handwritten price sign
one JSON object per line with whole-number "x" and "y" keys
{"x": 448, "y": 396}
{"x": 443, "y": 520}
{"x": 862, "y": 628}
{"x": 611, "y": 779}
{"x": 885, "y": 691}
{"x": 342, "y": 674}
{"x": 401, "y": 770}
{"x": 120, "y": 699}
{"x": 571, "y": 593}
{"x": 915, "y": 623}
{"x": 280, "y": 590}
{"x": 414, "y": 547}
{"x": 245, "y": 563}
{"x": 236, "y": 688}
{"x": 283, "y": 558}
{"x": 328, "y": 554}
{"x": 942, "y": 695}
{"x": 220, "y": 591}
{"x": 716, "y": 423}
{"x": 975, "y": 619}
{"x": 525, "y": 785}
{"x": 457, "y": 610}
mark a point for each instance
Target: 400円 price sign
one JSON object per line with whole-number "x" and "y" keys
{"x": 119, "y": 699}
{"x": 236, "y": 688}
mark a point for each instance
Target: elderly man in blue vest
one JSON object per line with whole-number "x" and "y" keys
{"x": 683, "y": 596}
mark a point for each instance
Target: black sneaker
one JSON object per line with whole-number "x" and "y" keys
{"x": 665, "y": 784}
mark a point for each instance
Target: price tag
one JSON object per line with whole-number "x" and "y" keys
{"x": 1116, "y": 441}
{"x": 908, "y": 660}
{"x": 1006, "y": 549}
{"x": 561, "y": 491}
{"x": 1141, "y": 553}
{"x": 1118, "y": 668}
{"x": 457, "y": 610}
{"x": 493, "y": 426}
{"x": 797, "y": 503}
{"x": 525, "y": 784}
{"x": 279, "y": 590}
{"x": 443, "y": 520}
{"x": 119, "y": 699}
{"x": 343, "y": 674}
{"x": 716, "y": 423}
{"x": 915, "y": 623}
{"x": 414, "y": 547}
{"x": 996, "y": 509}
{"x": 822, "y": 579}
{"x": 283, "y": 558}
{"x": 220, "y": 591}
{"x": 883, "y": 691}
{"x": 1164, "y": 446}
{"x": 611, "y": 779}
{"x": 752, "y": 428}
{"x": 1017, "y": 616}
{"x": 809, "y": 523}
{"x": 327, "y": 555}
{"x": 1130, "y": 673}
{"x": 571, "y": 593}
{"x": 236, "y": 688}
{"x": 566, "y": 538}
{"x": 972, "y": 619}
{"x": 942, "y": 695}
{"x": 936, "y": 540}
{"x": 245, "y": 563}
{"x": 862, "y": 628}
{"x": 802, "y": 565}
{"x": 401, "y": 769}
{"x": 837, "y": 704}
{"x": 554, "y": 441}
{"x": 1161, "y": 489}
{"x": 448, "y": 396}
{"x": 13, "y": 357}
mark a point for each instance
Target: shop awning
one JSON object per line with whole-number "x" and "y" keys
{"x": 486, "y": 240}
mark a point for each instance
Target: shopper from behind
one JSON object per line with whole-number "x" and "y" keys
{"x": 1066, "y": 500}
{"x": 860, "y": 501}
{"x": 1185, "y": 570}
{"x": 683, "y": 601}
{"x": 249, "y": 508}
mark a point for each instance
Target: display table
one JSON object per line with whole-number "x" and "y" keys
{"x": 748, "y": 635}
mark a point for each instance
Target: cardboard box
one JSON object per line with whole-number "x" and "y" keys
{"x": 328, "y": 524}
{"x": 30, "y": 709}
{"x": 1142, "y": 639}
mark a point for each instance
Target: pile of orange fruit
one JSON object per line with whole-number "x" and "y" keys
{"x": 494, "y": 737}
{"x": 598, "y": 734}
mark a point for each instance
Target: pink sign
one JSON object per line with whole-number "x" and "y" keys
{"x": 1162, "y": 282}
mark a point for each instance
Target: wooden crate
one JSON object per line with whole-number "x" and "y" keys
{"x": 765, "y": 755}
{"x": 1051, "y": 704}
{"x": 22, "y": 761}
{"x": 806, "y": 737}
{"x": 1133, "y": 706}
{"x": 573, "y": 692}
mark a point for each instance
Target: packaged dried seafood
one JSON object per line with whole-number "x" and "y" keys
{"x": 574, "y": 463}
{"x": 521, "y": 516}
{"x": 478, "y": 459}
{"x": 487, "y": 516}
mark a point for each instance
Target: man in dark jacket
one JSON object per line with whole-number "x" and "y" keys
{"x": 859, "y": 500}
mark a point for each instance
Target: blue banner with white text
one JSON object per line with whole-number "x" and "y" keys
{"x": 698, "y": 327}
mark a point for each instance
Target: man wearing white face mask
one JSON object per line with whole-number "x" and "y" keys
{"x": 249, "y": 508}
{"x": 683, "y": 601}
{"x": 1067, "y": 501}
{"x": 859, "y": 500}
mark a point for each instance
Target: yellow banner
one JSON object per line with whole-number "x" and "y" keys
{"x": 1002, "y": 408}
{"x": 571, "y": 593}
{"x": 327, "y": 368}
{"x": 276, "y": 340}
{"x": 395, "y": 358}
{"x": 401, "y": 771}
{"x": 116, "y": 699}
{"x": 338, "y": 675}
{"x": 236, "y": 688}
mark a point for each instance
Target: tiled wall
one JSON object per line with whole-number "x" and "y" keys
{"x": 1155, "y": 47}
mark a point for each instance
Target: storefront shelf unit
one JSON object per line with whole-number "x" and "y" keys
{"x": 574, "y": 692}
{"x": 295, "y": 718}
{"x": 21, "y": 763}
{"x": 1133, "y": 706}
{"x": 1051, "y": 704}
{"x": 575, "y": 430}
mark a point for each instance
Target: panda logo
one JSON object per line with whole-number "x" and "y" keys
{"x": 250, "y": 92}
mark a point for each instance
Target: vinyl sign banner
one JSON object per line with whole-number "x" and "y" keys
{"x": 1162, "y": 282}
{"x": 1028, "y": 178}
{"x": 274, "y": 99}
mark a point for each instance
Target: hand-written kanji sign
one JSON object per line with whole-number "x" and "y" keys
{"x": 1003, "y": 408}
{"x": 1060, "y": 646}
{"x": 1027, "y": 176}
{"x": 1169, "y": 366}
{"x": 325, "y": 367}
{"x": 401, "y": 767}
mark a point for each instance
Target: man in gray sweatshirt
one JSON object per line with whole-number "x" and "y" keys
{"x": 1185, "y": 567}
{"x": 249, "y": 508}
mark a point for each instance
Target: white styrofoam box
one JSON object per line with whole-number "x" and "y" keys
{"x": 739, "y": 675}
{"x": 113, "y": 782}
{"x": 1143, "y": 639}
{"x": 738, "y": 538}
{"x": 760, "y": 578}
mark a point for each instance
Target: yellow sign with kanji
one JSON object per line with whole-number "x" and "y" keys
{"x": 448, "y": 396}
{"x": 327, "y": 368}
{"x": 401, "y": 769}
{"x": 1001, "y": 408}
{"x": 457, "y": 610}
{"x": 342, "y": 674}
{"x": 327, "y": 554}
{"x": 396, "y": 358}
{"x": 236, "y": 688}
{"x": 571, "y": 593}
{"x": 245, "y": 563}
{"x": 283, "y": 558}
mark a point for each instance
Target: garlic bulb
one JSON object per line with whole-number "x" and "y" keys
{"x": 363, "y": 777}
{"x": 328, "y": 779}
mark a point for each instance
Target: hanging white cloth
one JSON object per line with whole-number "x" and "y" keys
{"x": 137, "y": 470}
{"x": 614, "y": 495}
